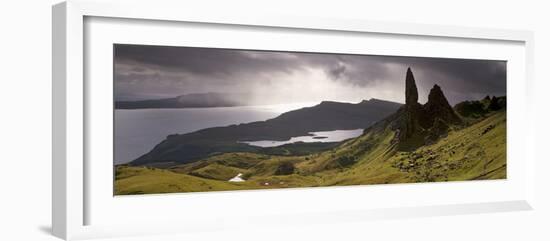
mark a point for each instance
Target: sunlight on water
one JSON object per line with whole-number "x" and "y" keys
{"x": 282, "y": 108}
{"x": 319, "y": 136}
{"x": 138, "y": 131}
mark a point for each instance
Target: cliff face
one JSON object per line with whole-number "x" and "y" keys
{"x": 424, "y": 123}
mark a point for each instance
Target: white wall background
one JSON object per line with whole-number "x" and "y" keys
{"x": 25, "y": 120}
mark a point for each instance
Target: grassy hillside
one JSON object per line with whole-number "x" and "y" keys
{"x": 472, "y": 153}
{"x": 143, "y": 180}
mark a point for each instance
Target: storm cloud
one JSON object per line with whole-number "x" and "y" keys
{"x": 149, "y": 72}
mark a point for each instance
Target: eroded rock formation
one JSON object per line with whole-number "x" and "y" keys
{"x": 422, "y": 124}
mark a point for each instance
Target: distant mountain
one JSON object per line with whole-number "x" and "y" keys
{"x": 326, "y": 116}
{"x": 197, "y": 100}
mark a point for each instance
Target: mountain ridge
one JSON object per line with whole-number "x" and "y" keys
{"x": 326, "y": 116}
{"x": 193, "y": 100}
{"x": 207, "y": 100}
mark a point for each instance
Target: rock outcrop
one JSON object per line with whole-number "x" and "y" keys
{"x": 422, "y": 124}
{"x": 474, "y": 109}
{"x": 438, "y": 107}
{"x": 497, "y": 103}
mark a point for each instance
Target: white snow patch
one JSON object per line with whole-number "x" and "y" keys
{"x": 237, "y": 178}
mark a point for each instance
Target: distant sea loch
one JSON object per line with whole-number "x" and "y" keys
{"x": 138, "y": 131}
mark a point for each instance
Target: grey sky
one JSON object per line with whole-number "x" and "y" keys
{"x": 149, "y": 72}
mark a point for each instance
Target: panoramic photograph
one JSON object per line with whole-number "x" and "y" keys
{"x": 190, "y": 119}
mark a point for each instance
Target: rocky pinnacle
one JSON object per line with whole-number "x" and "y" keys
{"x": 438, "y": 107}
{"x": 411, "y": 93}
{"x": 424, "y": 123}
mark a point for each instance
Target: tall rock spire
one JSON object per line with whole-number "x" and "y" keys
{"x": 413, "y": 110}
{"x": 411, "y": 93}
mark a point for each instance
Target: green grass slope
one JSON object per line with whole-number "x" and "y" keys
{"x": 476, "y": 152}
{"x": 473, "y": 153}
{"x": 143, "y": 180}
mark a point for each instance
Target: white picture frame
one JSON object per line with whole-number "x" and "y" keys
{"x": 73, "y": 194}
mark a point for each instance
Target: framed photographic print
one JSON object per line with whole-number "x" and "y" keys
{"x": 280, "y": 118}
{"x": 191, "y": 119}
